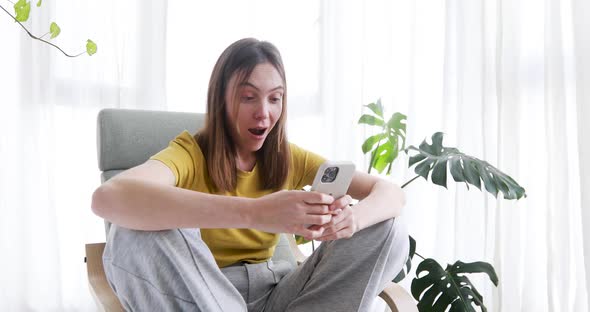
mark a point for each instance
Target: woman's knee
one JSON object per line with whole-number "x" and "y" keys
{"x": 393, "y": 233}
{"x": 126, "y": 246}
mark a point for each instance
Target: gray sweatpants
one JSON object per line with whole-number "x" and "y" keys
{"x": 175, "y": 271}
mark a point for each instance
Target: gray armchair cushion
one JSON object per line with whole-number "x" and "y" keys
{"x": 127, "y": 138}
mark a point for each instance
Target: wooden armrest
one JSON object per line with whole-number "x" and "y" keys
{"x": 99, "y": 286}
{"x": 398, "y": 299}
{"x": 299, "y": 256}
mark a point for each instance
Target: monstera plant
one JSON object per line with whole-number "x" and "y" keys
{"x": 22, "y": 9}
{"x": 440, "y": 289}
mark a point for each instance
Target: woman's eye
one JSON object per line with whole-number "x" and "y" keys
{"x": 247, "y": 98}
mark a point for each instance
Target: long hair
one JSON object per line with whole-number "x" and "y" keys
{"x": 218, "y": 147}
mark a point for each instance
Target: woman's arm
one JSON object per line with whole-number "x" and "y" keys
{"x": 145, "y": 198}
{"x": 379, "y": 199}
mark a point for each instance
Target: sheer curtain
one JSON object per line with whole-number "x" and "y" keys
{"x": 48, "y": 166}
{"x": 506, "y": 81}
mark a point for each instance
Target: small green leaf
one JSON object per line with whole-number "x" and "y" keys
{"x": 397, "y": 122}
{"x": 90, "y": 47}
{"x": 22, "y": 9}
{"x": 54, "y": 30}
{"x": 383, "y": 156}
{"x": 370, "y": 142}
{"x": 39, "y": 3}
{"x": 376, "y": 108}
{"x": 371, "y": 120}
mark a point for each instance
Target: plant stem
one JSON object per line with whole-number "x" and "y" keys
{"x": 373, "y": 157}
{"x": 417, "y": 254}
{"x": 37, "y": 38}
{"x": 414, "y": 178}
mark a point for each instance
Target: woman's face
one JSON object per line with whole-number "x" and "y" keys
{"x": 260, "y": 104}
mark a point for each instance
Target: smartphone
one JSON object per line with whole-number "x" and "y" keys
{"x": 333, "y": 178}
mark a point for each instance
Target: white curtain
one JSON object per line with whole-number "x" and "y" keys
{"x": 48, "y": 166}
{"x": 507, "y": 81}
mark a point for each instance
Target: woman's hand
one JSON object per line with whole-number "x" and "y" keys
{"x": 343, "y": 223}
{"x": 293, "y": 212}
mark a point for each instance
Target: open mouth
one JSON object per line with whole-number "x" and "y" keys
{"x": 257, "y": 131}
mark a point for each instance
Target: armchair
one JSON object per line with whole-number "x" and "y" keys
{"x": 127, "y": 138}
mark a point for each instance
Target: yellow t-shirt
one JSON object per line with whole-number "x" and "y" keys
{"x": 184, "y": 157}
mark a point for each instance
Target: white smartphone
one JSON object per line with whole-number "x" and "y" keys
{"x": 333, "y": 178}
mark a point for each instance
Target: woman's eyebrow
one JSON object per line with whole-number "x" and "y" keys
{"x": 248, "y": 84}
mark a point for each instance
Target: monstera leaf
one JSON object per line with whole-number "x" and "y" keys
{"x": 384, "y": 146}
{"x": 406, "y": 269}
{"x": 439, "y": 289}
{"x": 436, "y": 158}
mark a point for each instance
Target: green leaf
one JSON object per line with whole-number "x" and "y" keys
{"x": 423, "y": 169}
{"x": 383, "y": 156}
{"x": 39, "y": 3}
{"x": 54, "y": 30}
{"x": 90, "y": 47}
{"x": 370, "y": 142}
{"x": 439, "y": 173}
{"x": 371, "y": 120}
{"x": 416, "y": 158}
{"x": 376, "y": 108}
{"x": 471, "y": 173}
{"x": 488, "y": 179}
{"x": 300, "y": 240}
{"x": 396, "y": 122}
{"x": 464, "y": 168}
{"x": 22, "y": 9}
{"x": 408, "y": 266}
{"x": 439, "y": 289}
{"x": 457, "y": 171}
{"x": 394, "y": 151}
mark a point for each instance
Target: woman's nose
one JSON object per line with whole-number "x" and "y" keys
{"x": 262, "y": 110}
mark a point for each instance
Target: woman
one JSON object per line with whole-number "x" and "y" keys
{"x": 196, "y": 225}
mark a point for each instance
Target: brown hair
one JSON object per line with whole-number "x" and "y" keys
{"x": 218, "y": 147}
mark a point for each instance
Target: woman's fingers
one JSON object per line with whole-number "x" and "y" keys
{"x": 341, "y": 226}
{"x": 341, "y": 202}
{"x": 317, "y": 198}
{"x": 346, "y": 232}
{"x": 310, "y": 233}
{"x": 317, "y": 219}
{"x": 317, "y": 209}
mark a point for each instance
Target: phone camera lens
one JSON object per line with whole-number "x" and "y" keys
{"x": 330, "y": 174}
